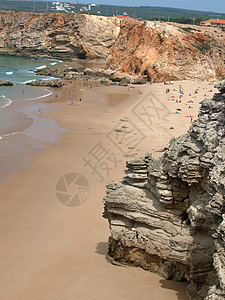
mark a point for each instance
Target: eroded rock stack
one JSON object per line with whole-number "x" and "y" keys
{"x": 136, "y": 173}
{"x": 173, "y": 221}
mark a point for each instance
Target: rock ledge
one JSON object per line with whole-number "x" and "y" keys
{"x": 168, "y": 215}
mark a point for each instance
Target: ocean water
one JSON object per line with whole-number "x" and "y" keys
{"x": 21, "y": 70}
{"x": 23, "y": 131}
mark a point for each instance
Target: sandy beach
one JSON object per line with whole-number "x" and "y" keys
{"x": 51, "y": 247}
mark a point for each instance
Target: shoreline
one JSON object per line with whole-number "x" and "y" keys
{"x": 15, "y": 106}
{"x": 21, "y": 142}
{"x": 59, "y": 251}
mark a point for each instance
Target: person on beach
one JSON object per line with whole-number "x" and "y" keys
{"x": 190, "y": 116}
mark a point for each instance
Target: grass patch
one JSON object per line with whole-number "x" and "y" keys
{"x": 189, "y": 29}
{"x": 203, "y": 47}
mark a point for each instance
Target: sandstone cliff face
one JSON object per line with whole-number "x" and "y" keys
{"x": 160, "y": 51}
{"x": 168, "y": 215}
{"x": 164, "y": 52}
{"x": 57, "y": 35}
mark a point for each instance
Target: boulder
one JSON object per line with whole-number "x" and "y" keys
{"x": 6, "y": 83}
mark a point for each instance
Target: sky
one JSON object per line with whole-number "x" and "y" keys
{"x": 205, "y": 5}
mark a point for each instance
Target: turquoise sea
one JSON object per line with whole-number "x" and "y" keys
{"x": 23, "y": 131}
{"x": 21, "y": 70}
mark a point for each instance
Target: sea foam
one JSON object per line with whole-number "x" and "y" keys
{"x": 41, "y": 67}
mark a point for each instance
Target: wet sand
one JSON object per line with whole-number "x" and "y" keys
{"x": 25, "y": 134}
{"x": 54, "y": 251}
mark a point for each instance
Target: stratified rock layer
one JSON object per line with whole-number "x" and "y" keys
{"x": 153, "y": 51}
{"x": 173, "y": 223}
{"x": 163, "y": 51}
{"x": 57, "y": 35}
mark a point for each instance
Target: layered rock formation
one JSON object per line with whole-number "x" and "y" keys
{"x": 159, "y": 51}
{"x": 168, "y": 215}
{"x": 163, "y": 51}
{"x": 57, "y": 35}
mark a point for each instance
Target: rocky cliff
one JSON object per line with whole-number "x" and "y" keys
{"x": 57, "y": 35}
{"x": 164, "y": 51}
{"x": 156, "y": 50}
{"x": 168, "y": 215}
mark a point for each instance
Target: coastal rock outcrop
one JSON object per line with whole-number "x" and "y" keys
{"x": 6, "y": 83}
{"x": 168, "y": 215}
{"x": 166, "y": 51}
{"x": 57, "y": 35}
{"x": 137, "y": 50}
{"x": 49, "y": 83}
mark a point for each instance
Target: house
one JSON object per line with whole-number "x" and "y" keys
{"x": 124, "y": 15}
{"x": 214, "y": 22}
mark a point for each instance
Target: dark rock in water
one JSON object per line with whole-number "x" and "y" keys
{"x": 6, "y": 83}
{"x": 59, "y": 73}
{"x": 168, "y": 215}
{"x": 44, "y": 71}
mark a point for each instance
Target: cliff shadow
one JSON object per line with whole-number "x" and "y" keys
{"x": 175, "y": 286}
{"x": 102, "y": 248}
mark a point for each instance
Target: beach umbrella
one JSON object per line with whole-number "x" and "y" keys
{"x": 172, "y": 96}
{"x": 179, "y": 109}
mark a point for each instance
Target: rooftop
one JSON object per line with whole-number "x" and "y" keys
{"x": 215, "y": 21}
{"x": 123, "y": 17}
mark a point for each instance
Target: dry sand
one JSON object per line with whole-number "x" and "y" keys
{"x": 50, "y": 251}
